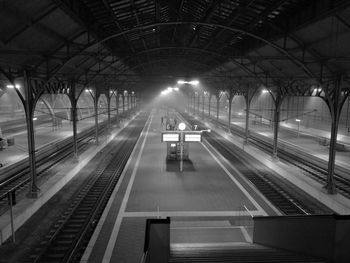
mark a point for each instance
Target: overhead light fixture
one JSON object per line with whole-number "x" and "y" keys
{"x": 265, "y": 91}
{"x": 176, "y": 89}
{"x": 10, "y": 86}
{"x": 194, "y": 82}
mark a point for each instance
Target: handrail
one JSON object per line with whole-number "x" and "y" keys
{"x": 251, "y": 215}
{"x": 144, "y": 257}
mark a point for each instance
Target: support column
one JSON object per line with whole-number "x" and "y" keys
{"x": 123, "y": 98}
{"x": 209, "y": 98}
{"x": 128, "y": 101}
{"x": 193, "y": 102}
{"x": 96, "y": 114}
{"x": 74, "y": 102}
{"x": 229, "y": 114}
{"x": 247, "y": 103}
{"x": 109, "y": 111}
{"x": 29, "y": 110}
{"x": 189, "y": 103}
{"x": 117, "y": 106}
{"x": 203, "y": 106}
{"x": 217, "y": 106}
{"x": 230, "y": 98}
{"x": 198, "y": 99}
{"x": 276, "y": 121}
{"x": 335, "y": 109}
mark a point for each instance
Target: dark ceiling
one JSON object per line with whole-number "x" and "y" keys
{"x": 158, "y": 41}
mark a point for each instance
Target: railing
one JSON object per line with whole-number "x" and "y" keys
{"x": 245, "y": 220}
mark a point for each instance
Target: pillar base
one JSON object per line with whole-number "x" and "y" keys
{"x": 75, "y": 159}
{"x": 330, "y": 188}
{"x": 275, "y": 158}
{"x": 33, "y": 193}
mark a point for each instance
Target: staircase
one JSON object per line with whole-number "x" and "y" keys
{"x": 237, "y": 252}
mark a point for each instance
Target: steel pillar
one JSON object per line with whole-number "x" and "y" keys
{"x": 117, "y": 106}
{"x": 123, "y": 98}
{"x": 276, "y": 122}
{"x": 189, "y": 103}
{"x": 209, "y": 105}
{"x": 29, "y": 110}
{"x": 198, "y": 99}
{"x": 247, "y": 101}
{"x": 109, "y": 112}
{"x": 335, "y": 109}
{"x": 74, "y": 103}
{"x": 203, "y": 106}
{"x": 128, "y": 100}
{"x": 217, "y": 107}
{"x": 229, "y": 112}
{"x": 194, "y": 104}
{"x": 96, "y": 114}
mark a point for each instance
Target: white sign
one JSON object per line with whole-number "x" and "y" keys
{"x": 197, "y": 137}
{"x": 170, "y": 137}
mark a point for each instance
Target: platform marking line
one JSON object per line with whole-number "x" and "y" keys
{"x": 164, "y": 214}
{"x": 113, "y": 238}
{"x": 251, "y": 199}
{"x": 250, "y": 184}
{"x": 207, "y": 245}
{"x": 93, "y": 239}
{"x": 245, "y": 234}
{"x": 203, "y": 227}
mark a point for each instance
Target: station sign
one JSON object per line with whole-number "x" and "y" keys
{"x": 193, "y": 137}
{"x": 170, "y": 137}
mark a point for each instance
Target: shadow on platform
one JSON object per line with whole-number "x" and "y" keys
{"x": 174, "y": 166}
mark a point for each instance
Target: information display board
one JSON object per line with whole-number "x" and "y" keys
{"x": 170, "y": 137}
{"x": 193, "y": 137}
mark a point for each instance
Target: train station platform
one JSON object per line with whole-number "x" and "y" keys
{"x": 309, "y": 140}
{"x": 59, "y": 177}
{"x": 337, "y": 202}
{"x": 205, "y": 201}
{"x": 44, "y": 136}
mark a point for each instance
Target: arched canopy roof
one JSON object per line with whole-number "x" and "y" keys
{"x": 158, "y": 41}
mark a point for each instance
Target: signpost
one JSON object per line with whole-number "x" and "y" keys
{"x": 181, "y": 136}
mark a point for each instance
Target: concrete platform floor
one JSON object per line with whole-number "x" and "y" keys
{"x": 307, "y": 141}
{"x": 44, "y": 135}
{"x": 336, "y": 202}
{"x": 47, "y": 208}
{"x": 205, "y": 201}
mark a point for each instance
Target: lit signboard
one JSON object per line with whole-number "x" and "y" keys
{"x": 193, "y": 137}
{"x": 170, "y": 137}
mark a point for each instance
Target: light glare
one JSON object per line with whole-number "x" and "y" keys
{"x": 182, "y": 126}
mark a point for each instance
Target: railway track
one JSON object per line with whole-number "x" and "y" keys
{"x": 317, "y": 171}
{"x": 18, "y": 178}
{"x": 307, "y": 167}
{"x": 281, "y": 195}
{"x": 69, "y": 236}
